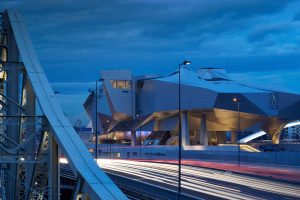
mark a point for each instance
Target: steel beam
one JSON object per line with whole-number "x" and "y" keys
{"x": 53, "y": 170}
{"x": 13, "y": 131}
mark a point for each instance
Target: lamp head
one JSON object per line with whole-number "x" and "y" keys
{"x": 186, "y": 62}
{"x": 235, "y": 99}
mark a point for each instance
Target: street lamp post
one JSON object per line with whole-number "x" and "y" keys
{"x": 96, "y": 117}
{"x": 140, "y": 119}
{"x": 110, "y": 150}
{"x": 107, "y": 148}
{"x": 237, "y": 101}
{"x": 140, "y": 144}
{"x": 96, "y": 121}
{"x": 179, "y": 127}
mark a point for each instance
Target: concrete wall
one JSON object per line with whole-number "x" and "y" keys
{"x": 121, "y": 99}
{"x": 224, "y": 154}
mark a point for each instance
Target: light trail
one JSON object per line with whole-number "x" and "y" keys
{"x": 295, "y": 123}
{"x": 261, "y": 133}
{"x": 211, "y": 182}
{"x": 252, "y": 136}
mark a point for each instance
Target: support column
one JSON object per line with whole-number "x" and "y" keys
{"x": 53, "y": 170}
{"x": 274, "y": 128}
{"x": 133, "y": 138}
{"x": 29, "y": 105}
{"x": 156, "y": 125}
{"x": 203, "y": 131}
{"x": 185, "y": 129}
{"x": 233, "y": 137}
{"x": 197, "y": 137}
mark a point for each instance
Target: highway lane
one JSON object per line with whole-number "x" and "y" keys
{"x": 202, "y": 182}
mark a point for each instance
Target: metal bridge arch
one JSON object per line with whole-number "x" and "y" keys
{"x": 30, "y": 139}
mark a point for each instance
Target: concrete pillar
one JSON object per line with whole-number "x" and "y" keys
{"x": 197, "y": 138}
{"x": 233, "y": 137}
{"x": 274, "y": 128}
{"x": 133, "y": 138}
{"x": 185, "y": 129}
{"x": 156, "y": 125}
{"x": 203, "y": 131}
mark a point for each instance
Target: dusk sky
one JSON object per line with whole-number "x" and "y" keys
{"x": 256, "y": 41}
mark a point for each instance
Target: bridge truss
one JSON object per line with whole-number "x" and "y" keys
{"x": 33, "y": 128}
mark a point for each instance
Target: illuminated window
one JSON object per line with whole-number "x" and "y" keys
{"x": 120, "y": 84}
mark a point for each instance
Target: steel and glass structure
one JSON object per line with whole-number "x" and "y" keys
{"x": 207, "y": 106}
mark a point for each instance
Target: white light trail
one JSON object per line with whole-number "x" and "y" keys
{"x": 252, "y": 136}
{"x": 261, "y": 133}
{"x": 295, "y": 123}
{"x": 197, "y": 179}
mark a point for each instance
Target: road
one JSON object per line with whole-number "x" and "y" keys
{"x": 202, "y": 182}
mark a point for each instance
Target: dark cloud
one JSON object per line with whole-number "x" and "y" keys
{"x": 77, "y": 34}
{"x": 297, "y": 16}
{"x": 76, "y": 39}
{"x": 262, "y": 31}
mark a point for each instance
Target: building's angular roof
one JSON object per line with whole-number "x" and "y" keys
{"x": 208, "y": 90}
{"x": 210, "y": 78}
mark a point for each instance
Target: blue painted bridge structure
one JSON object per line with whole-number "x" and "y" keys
{"x": 33, "y": 128}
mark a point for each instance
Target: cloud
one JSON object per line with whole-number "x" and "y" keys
{"x": 286, "y": 81}
{"x": 262, "y": 31}
{"x": 72, "y": 105}
{"x": 297, "y": 17}
{"x": 74, "y": 33}
{"x": 76, "y": 39}
{"x": 72, "y": 84}
{"x": 72, "y": 88}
